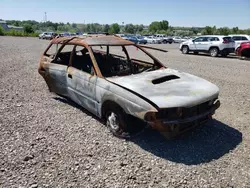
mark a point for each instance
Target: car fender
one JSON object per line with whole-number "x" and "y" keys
{"x": 131, "y": 102}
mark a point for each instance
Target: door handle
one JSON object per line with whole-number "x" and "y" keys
{"x": 70, "y": 76}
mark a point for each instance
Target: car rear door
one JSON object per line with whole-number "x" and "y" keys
{"x": 228, "y": 42}
{"x": 54, "y": 69}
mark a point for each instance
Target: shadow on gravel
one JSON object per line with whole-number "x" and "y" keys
{"x": 230, "y": 56}
{"x": 72, "y": 103}
{"x": 204, "y": 144}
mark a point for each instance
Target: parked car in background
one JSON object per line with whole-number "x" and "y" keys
{"x": 238, "y": 39}
{"x": 150, "y": 40}
{"x": 128, "y": 90}
{"x": 243, "y": 50}
{"x": 132, "y": 39}
{"x": 212, "y": 44}
{"x": 47, "y": 35}
{"x": 177, "y": 39}
{"x": 166, "y": 40}
{"x": 141, "y": 40}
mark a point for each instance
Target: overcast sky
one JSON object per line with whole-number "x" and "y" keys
{"x": 220, "y": 13}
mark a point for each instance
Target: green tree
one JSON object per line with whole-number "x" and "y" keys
{"x": 164, "y": 25}
{"x": 106, "y": 28}
{"x": 28, "y": 29}
{"x": 114, "y": 29}
{"x": 129, "y": 28}
{"x": 154, "y": 26}
{"x": 207, "y": 31}
{"x": 1, "y": 31}
{"x": 224, "y": 31}
{"x": 235, "y": 30}
{"x": 139, "y": 28}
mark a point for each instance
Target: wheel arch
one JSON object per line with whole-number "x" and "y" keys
{"x": 214, "y": 47}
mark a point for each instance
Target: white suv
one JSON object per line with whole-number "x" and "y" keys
{"x": 212, "y": 44}
{"x": 238, "y": 39}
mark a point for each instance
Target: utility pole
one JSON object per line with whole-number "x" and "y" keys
{"x": 45, "y": 16}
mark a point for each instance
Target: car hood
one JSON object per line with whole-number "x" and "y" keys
{"x": 169, "y": 88}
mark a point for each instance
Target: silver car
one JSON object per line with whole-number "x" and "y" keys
{"x": 126, "y": 86}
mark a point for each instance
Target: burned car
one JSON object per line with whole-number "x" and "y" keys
{"x": 125, "y": 85}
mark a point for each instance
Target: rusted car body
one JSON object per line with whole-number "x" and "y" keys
{"x": 121, "y": 89}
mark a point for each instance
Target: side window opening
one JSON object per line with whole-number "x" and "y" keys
{"x": 63, "y": 56}
{"x": 81, "y": 60}
{"x": 51, "y": 52}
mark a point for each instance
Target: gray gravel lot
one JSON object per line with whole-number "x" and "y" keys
{"x": 46, "y": 141}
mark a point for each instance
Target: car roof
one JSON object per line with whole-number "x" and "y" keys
{"x": 93, "y": 40}
{"x": 239, "y": 35}
{"x": 213, "y": 36}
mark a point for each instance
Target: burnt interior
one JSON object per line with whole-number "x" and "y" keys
{"x": 111, "y": 64}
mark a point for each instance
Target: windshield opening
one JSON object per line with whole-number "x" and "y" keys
{"x": 123, "y": 60}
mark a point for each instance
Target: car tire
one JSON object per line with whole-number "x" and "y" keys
{"x": 214, "y": 52}
{"x": 196, "y": 53}
{"x": 116, "y": 121}
{"x": 164, "y": 42}
{"x": 170, "y": 42}
{"x": 185, "y": 49}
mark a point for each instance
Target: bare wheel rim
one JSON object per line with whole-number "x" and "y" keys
{"x": 113, "y": 121}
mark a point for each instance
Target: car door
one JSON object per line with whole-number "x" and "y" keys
{"x": 202, "y": 44}
{"x": 237, "y": 40}
{"x": 82, "y": 79}
{"x": 54, "y": 69}
{"x": 194, "y": 45}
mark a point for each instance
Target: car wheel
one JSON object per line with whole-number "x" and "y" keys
{"x": 196, "y": 53}
{"x": 164, "y": 42}
{"x": 116, "y": 121}
{"x": 214, "y": 52}
{"x": 185, "y": 49}
{"x": 170, "y": 42}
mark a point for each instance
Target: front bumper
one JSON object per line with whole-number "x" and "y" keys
{"x": 172, "y": 128}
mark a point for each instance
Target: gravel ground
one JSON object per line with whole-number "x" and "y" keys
{"x": 46, "y": 141}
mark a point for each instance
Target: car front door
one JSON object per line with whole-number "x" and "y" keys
{"x": 201, "y": 43}
{"x": 194, "y": 44}
{"x": 82, "y": 79}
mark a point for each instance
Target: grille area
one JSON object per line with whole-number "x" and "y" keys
{"x": 176, "y": 113}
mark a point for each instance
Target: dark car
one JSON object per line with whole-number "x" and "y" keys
{"x": 132, "y": 39}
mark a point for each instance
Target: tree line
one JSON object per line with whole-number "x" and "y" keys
{"x": 156, "y": 27}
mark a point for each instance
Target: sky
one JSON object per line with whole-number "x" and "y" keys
{"x": 197, "y": 13}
